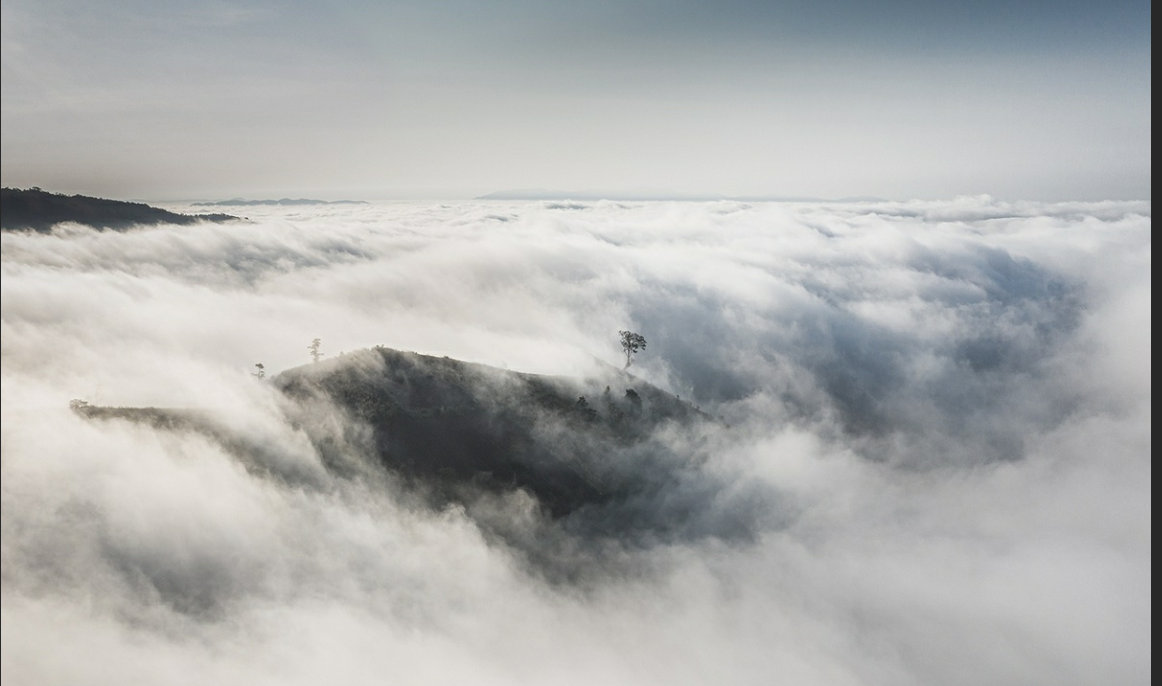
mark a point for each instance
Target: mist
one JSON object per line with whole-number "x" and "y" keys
{"x": 929, "y": 460}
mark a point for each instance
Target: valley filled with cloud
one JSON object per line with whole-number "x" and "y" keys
{"x": 922, "y": 453}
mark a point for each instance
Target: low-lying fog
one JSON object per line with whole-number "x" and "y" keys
{"x": 945, "y": 404}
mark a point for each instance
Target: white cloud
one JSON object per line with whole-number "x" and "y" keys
{"x": 947, "y": 406}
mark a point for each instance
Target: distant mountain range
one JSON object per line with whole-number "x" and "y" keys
{"x": 543, "y": 194}
{"x": 240, "y": 202}
{"x": 38, "y": 210}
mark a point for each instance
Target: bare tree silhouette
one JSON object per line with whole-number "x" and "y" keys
{"x": 631, "y": 343}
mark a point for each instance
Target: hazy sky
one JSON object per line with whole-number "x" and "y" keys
{"x": 128, "y": 98}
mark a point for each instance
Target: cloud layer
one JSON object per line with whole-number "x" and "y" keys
{"x": 945, "y": 407}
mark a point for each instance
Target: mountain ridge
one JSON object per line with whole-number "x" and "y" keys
{"x": 556, "y": 467}
{"x": 38, "y": 210}
{"x": 242, "y": 202}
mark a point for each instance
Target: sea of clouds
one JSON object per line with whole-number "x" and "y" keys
{"x": 946, "y": 405}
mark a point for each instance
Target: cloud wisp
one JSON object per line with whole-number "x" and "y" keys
{"x": 931, "y": 420}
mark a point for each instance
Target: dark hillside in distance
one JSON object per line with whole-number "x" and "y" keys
{"x": 449, "y": 423}
{"x": 559, "y": 468}
{"x": 40, "y": 210}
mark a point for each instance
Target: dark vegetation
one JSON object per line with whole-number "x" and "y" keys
{"x": 40, "y": 211}
{"x": 566, "y": 471}
{"x": 448, "y": 423}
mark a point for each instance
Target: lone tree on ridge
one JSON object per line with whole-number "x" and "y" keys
{"x": 314, "y": 348}
{"x": 631, "y": 343}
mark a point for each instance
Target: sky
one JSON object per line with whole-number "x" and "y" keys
{"x": 450, "y": 99}
{"x": 936, "y": 433}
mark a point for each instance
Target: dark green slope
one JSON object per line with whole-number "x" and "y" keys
{"x": 567, "y": 471}
{"x": 39, "y": 210}
{"x": 459, "y": 427}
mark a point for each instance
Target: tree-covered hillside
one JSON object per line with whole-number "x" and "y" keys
{"x": 40, "y": 210}
{"x": 552, "y": 465}
{"x": 449, "y": 423}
